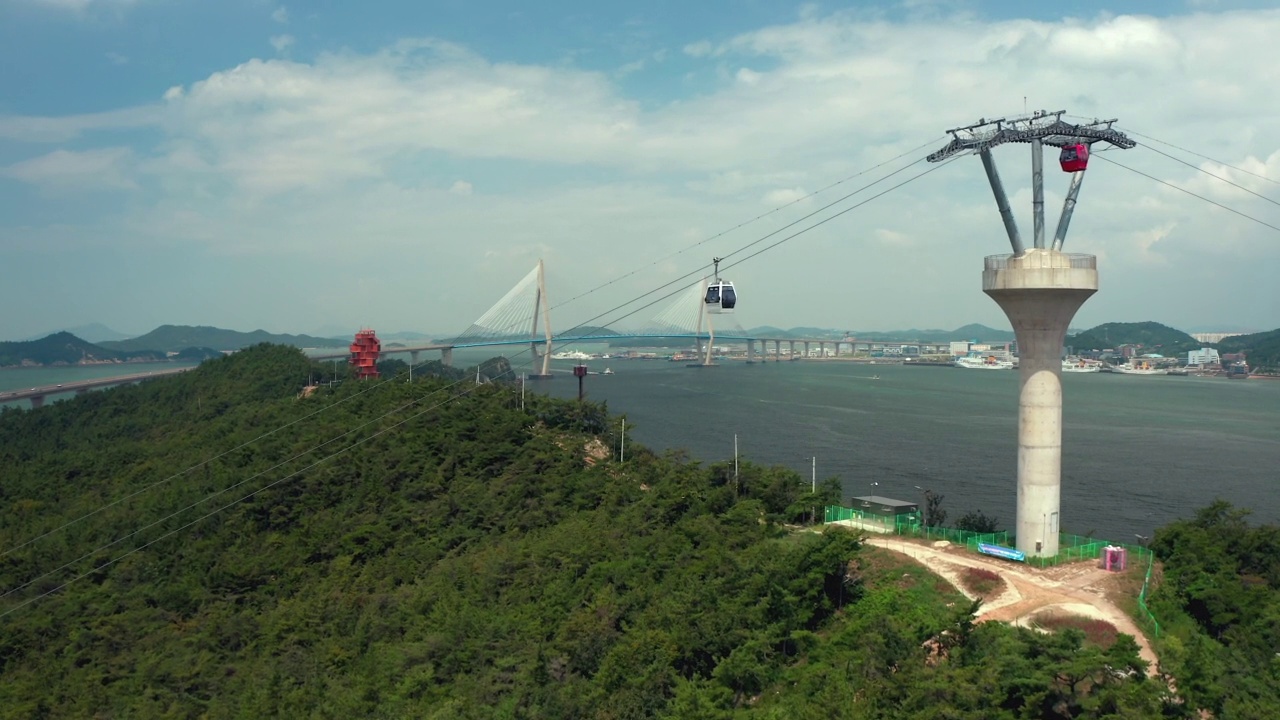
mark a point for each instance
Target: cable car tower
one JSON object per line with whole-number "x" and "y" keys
{"x": 1040, "y": 289}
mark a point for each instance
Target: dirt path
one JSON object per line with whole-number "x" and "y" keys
{"x": 1076, "y": 588}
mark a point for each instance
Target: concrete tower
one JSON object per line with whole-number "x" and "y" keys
{"x": 1040, "y": 291}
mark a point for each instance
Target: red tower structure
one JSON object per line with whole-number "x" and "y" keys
{"x": 364, "y": 354}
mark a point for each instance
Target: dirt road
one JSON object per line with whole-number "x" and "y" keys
{"x": 1076, "y": 588}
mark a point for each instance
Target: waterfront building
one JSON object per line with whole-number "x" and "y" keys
{"x": 1203, "y": 356}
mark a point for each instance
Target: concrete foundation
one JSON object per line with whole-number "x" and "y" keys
{"x": 1040, "y": 292}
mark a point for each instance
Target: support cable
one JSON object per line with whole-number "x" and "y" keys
{"x": 1212, "y": 175}
{"x": 1206, "y": 157}
{"x": 761, "y": 216}
{"x": 1192, "y": 194}
{"x": 410, "y": 404}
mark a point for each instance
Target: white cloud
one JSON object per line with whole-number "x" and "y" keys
{"x": 63, "y": 170}
{"x": 702, "y": 48}
{"x": 80, "y": 6}
{"x": 117, "y": 59}
{"x": 280, "y": 15}
{"x": 281, "y": 42}
{"x": 280, "y": 157}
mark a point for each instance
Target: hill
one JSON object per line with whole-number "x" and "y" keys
{"x": 93, "y": 332}
{"x": 1262, "y": 350}
{"x": 63, "y": 348}
{"x": 436, "y": 550}
{"x": 173, "y": 338}
{"x": 1152, "y": 337}
{"x": 973, "y": 331}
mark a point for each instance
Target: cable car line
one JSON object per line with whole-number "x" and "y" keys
{"x": 215, "y": 494}
{"x": 211, "y": 513}
{"x": 746, "y": 222}
{"x": 382, "y": 431}
{"x": 798, "y": 233}
{"x": 1196, "y": 195}
{"x": 1212, "y": 175}
{"x": 177, "y": 475}
{"x": 1206, "y": 157}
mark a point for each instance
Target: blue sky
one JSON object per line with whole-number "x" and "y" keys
{"x": 325, "y": 165}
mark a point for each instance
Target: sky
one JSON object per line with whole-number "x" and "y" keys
{"x": 401, "y": 164}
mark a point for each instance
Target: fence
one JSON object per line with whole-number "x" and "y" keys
{"x": 1142, "y": 596}
{"x": 1071, "y": 548}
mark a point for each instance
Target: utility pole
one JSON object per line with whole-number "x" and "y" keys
{"x": 924, "y": 509}
{"x": 622, "y": 455}
{"x": 735, "y": 465}
{"x": 814, "y": 476}
{"x": 580, "y": 371}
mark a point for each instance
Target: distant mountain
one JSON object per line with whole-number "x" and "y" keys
{"x": 93, "y": 332}
{"x": 973, "y": 331}
{"x": 771, "y": 331}
{"x": 173, "y": 338}
{"x": 1262, "y": 350}
{"x": 1151, "y": 336}
{"x": 814, "y": 332}
{"x": 63, "y": 348}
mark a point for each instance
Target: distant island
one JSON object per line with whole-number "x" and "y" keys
{"x": 187, "y": 342}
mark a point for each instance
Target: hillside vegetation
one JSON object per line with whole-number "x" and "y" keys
{"x": 63, "y": 348}
{"x": 1152, "y": 336}
{"x": 1262, "y": 350}
{"x": 436, "y": 550}
{"x": 1219, "y": 603}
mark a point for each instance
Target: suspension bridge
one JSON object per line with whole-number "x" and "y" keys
{"x": 522, "y": 317}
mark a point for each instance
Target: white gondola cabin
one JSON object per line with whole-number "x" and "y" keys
{"x": 720, "y": 297}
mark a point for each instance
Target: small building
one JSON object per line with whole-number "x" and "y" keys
{"x": 886, "y": 513}
{"x": 1203, "y": 356}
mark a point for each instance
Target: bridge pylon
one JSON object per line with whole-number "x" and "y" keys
{"x": 541, "y": 303}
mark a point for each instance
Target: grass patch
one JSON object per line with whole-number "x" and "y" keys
{"x": 982, "y": 582}
{"x": 1096, "y": 632}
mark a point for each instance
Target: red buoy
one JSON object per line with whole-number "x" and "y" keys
{"x": 1074, "y": 158}
{"x": 364, "y": 354}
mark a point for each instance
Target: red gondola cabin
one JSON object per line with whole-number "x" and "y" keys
{"x": 1074, "y": 158}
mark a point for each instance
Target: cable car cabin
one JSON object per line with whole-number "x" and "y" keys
{"x": 1074, "y": 158}
{"x": 720, "y": 297}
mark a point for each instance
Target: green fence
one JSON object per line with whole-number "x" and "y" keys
{"x": 1142, "y": 596}
{"x": 1071, "y": 548}
{"x": 1075, "y": 548}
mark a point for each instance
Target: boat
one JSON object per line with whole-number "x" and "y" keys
{"x": 1070, "y": 365}
{"x": 1142, "y": 367}
{"x": 980, "y": 361}
{"x": 607, "y": 371}
{"x": 570, "y": 355}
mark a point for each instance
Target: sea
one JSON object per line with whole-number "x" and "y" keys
{"x": 1138, "y": 451}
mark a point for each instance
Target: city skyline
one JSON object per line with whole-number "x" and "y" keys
{"x": 291, "y": 167}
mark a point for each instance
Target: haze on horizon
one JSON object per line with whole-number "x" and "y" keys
{"x": 300, "y": 168}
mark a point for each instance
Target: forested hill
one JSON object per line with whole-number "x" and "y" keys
{"x": 1262, "y": 350}
{"x": 63, "y": 348}
{"x": 1152, "y": 336}
{"x": 439, "y": 550}
{"x": 173, "y": 338}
